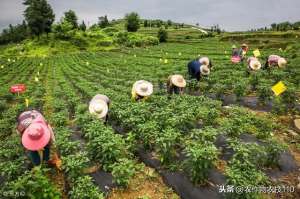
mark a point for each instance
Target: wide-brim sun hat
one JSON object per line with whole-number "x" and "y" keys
{"x": 244, "y": 45}
{"x": 99, "y": 108}
{"x": 204, "y": 60}
{"x": 143, "y": 88}
{"x": 255, "y": 65}
{"x": 178, "y": 81}
{"x": 282, "y": 62}
{"x": 204, "y": 69}
{"x": 101, "y": 97}
{"x": 36, "y": 136}
{"x": 233, "y": 46}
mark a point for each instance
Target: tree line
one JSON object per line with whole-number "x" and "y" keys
{"x": 39, "y": 19}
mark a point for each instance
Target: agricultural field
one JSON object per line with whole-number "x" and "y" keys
{"x": 228, "y": 130}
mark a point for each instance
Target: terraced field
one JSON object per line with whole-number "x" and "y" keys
{"x": 189, "y": 146}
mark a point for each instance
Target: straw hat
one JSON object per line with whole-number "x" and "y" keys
{"x": 204, "y": 70}
{"x": 255, "y": 65}
{"x": 282, "y": 62}
{"x": 233, "y": 46}
{"x": 244, "y": 45}
{"x": 36, "y": 136}
{"x": 101, "y": 97}
{"x": 204, "y": 60}
{"x": 178, "y": 81}
{"x": 143, "y": 88}
{"x": 99, "y": 108}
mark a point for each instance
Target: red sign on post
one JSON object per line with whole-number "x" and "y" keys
{"x": 18, "y": 88}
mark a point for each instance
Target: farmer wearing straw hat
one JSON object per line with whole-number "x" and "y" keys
{"x": 275, "y": 61}
{"x": 198, "y": 68}
{"x": 253, "y": 64}
{"x": 243, "y": 51}
{"x": 37, "y": 137}
{"x": 99, "y": 107}
{"x": 141, "y": 90}
{"x": 176, "y": 84}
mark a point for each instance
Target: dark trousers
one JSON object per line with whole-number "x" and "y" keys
{"x": 35, "y": 157}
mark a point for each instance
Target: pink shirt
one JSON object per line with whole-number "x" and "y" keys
{"x": 273, "y": 60}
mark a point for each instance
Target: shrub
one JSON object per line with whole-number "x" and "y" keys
{"x": 2, "y": 105}
{"x": 84, "y": 188}
{"x": 132, "y": 22}
{"x": 110, "y": 30}
{"x": 80, "y": 42}
{"x": 200, "y": 159}
{"x": 123, "y": 171}
{"x": 162, "y": 35}
{"x": 35, "y": 184}
{"x": 105, "y": 43}
{"x": 166, "y": 145}
{"x": 73, "y": 165}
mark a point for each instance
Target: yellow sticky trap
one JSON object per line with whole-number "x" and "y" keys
{"x": 8, "y": 60}
{"x": 38, "y": 73}
{"x": 87, "y": 63}
{"x": 2, "y": 66}
{"x": 41, "y": 64}
{"x": 225, "y": 52}
{"x": 179, "y": 54}
{"x": 27, "y": 102}
{"x": 167, "y": 53}
{"x": 256, "y": 53}
{"x": 279, "y": 88}
{"x": 14, "y": 60}
{"x": 166, "y": 61}
{"x": 160, "y": 60}
{"x": 36, "y": 79}
{"x": 134, "y": 55}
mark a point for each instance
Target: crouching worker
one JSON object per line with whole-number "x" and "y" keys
{"x": 37, "y": 137}
{"x": 99, "y": 106}
{"x": 141, "y": 90}
{"x": 243, "y": 51}
{"x": 275, "y": 61}
{"x": 176, "y": 84}
{"x": 199, "y": 68}
{"x": 253, "y": 64}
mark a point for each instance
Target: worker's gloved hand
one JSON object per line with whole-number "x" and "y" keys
{"x": 56, "y": 161}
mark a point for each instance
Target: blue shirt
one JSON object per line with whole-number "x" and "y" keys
{"x": 194, "y": 69}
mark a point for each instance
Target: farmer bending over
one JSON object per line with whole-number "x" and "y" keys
{"x": 275, "y": 61}
{"x": 141, "y": 90}
{"x": 99, "y": 106}
{"x": 176, "y": 84}
{"x": 253, "y": 64}
{"x": 198, "y": 68}
{"x": 235, "y": 51}
{"x": 243, "y": 51}
{"x": 37, "y": 136}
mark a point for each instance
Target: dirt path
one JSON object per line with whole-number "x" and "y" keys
{"x": 147, "y": 184}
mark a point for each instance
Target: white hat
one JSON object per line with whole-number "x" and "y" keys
{"x": 99, "y": 108}
{"x": 101, "y": 97}
{"x": 204, "y": 60}
{"x": 178, "y": 81}
{"x": 255, "y": 65}
{"x": 204, "y": 70}
{"x": 143, "y": 88}
{"x": 282, "y": 62}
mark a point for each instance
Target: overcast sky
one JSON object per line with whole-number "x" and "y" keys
{"x": 231, "y": 15}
